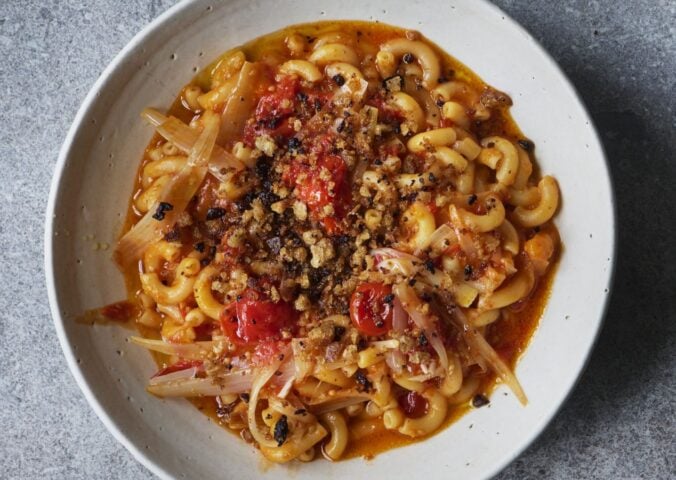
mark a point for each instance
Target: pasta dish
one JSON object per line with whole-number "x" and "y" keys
{"x": 338, "y": 242}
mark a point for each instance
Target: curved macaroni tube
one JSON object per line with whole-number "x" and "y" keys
{"x": 527, "y": 197}
{"x": 428, "y": 60}
{"x": 334, "y": 377}
{"x": 302, "y": 68}
{"x": 151, "y": 194}
{"x": 165, "y": 166}
{"x": 508, "y": 166}
{"x": 544, "y": 210}
{"x": 469, "y": 387}
{"x": 456, "y": 113}
{"x": 525, "y": 169}
{"x": 332, "y": 53}
{"x": 453, "y": 379}
{"x": 296, "y": 43}
{"x": 181, "y": 287}
{"x": 450, "y": 158}
{"x": 335, "y": 423}
{"x": 480, "y": 319}
{"x": 468, "y": 148}
{"x": 158, "y": 252}
{"x": 393, "y": 418}
{"x": 411, "y": 110}
{"x": 332, "y": 37}
{"x": 435, "y": 416}
{"x": 438, "y": 137}
{"x": 512, "y": 291}
{"x": 195, "y": 317}
{"x": 481, "y": 223}
{"x": 190, "y": 94}
{"x": 203, "y": 295}
{"x": 404, "y": 382}
{"x": 296, "y": 445}
{"x": 355, "y": 84}
{"x": 386, "y": 63}
{"x": 418, "y": 223}
{"x": 510, "y": 237}
{"x": 449, "y": 90}
{"x": 465, "y": 182}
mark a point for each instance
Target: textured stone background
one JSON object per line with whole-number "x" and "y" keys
{"x": 619, "y": 422}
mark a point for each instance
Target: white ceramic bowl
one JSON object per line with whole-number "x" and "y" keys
{"x": 93, "y": 181}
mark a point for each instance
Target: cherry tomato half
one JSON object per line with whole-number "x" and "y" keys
{"x": 413, "y": 404}
{"x": 253, "y": 318}
{"x": 371, "y": 308}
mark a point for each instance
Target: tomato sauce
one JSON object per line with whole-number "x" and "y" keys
{"x": 510, "y": 335}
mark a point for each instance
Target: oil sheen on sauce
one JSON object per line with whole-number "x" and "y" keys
{"x": 510, "y": 335}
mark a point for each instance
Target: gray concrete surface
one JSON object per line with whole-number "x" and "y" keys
{"x": 619, "y": 422}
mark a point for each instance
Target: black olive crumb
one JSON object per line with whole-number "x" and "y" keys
{"x": 364, "y": 383}
{"x": 526, "y": 144}
{"x": 281, "y": 430}
{"x": 162, "y": 208}
{"x": 480, "y": 400}
{"x": 215, "y": 213}
{"x": 339, "y": 79}
{"x": 472, "y": 198}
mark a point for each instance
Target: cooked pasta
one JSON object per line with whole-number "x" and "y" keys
{"x": 338, "y": 241}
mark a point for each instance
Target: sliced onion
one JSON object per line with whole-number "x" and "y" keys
{"x": 303, "y": 366}
{"x": 236, "y": 383}
{"x": 189, "y": 372}
{"x": 399, "y": 316}
{"x": 436, "y": 240}
{"x": 286, "y": 377}
{"x": 395, "y": 360}
{"x": 262, "y": 376}
{"x": 380, "y": 254}
{"x": 402, "y": 266}
{"x": 338, "y": 403}
{"x": 411, "y": 303}
{"x": 177, "y": 192}
{"x": 190, "y": 351}
{"x": 241, "y": 104}
{"x": 476, "y": 341}
{"x": 185, "y": 137}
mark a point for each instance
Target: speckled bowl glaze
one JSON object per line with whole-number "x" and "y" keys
{"x": 93, "y": 181}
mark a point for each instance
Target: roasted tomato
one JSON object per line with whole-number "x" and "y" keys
{"x": 371, "y": 308}
{"x": 413, "y": 404}
{"x": 324, "y": 184}
{"x": 253, "y": 318}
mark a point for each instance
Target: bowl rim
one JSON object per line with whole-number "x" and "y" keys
{"x": 65, "y": 151}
